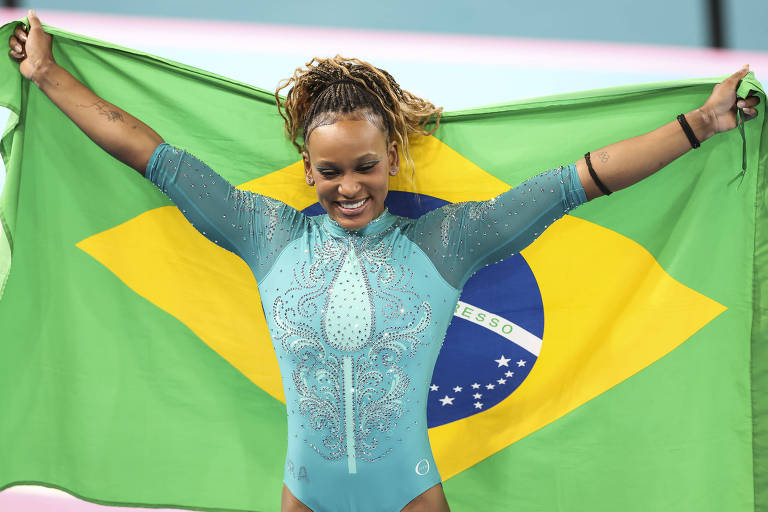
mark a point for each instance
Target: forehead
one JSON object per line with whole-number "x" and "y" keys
{"x": 346, "y": 140}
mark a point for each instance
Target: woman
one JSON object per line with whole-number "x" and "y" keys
{"x": 359, "y": 300}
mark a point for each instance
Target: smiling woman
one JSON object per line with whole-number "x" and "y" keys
{"x": 351, "y": 188}
{"x": 358, "y": 301}
{"x": 352, "y": 119}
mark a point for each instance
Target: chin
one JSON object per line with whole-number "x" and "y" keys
{"x": 353, "y": 223}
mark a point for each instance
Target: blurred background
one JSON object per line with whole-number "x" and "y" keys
{"x": 456, "y": 53}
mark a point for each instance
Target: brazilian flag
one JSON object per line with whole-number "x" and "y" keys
{"x": 620, "y": 362}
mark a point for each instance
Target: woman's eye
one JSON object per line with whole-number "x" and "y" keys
{"x": 332, "y": 173}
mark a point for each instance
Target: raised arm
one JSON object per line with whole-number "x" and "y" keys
{"x": 626, "y": 162}
{"x": 116, "y": 131}
{"x": 461, "y": 238}
{"x": 253, "y": 226}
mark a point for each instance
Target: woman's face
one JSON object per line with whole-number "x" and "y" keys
{"x": 349, "y": 163}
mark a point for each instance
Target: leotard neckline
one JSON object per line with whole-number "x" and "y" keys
{"x": 374, "y": 227}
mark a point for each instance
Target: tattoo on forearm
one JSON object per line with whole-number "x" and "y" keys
{"x": 604, "y": 156}
{"x": 114, "y": 115}
{"x": 105, "y": 109}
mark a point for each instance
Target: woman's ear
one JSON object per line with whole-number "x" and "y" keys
{"x": 394, "y": 158}
{"x": 307, "y": 168}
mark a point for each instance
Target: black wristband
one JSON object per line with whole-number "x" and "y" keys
{"x": 597, "y": 181}
{"x": 688, "y": 132}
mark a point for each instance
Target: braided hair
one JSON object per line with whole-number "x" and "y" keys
{"x": 328, "y": 89}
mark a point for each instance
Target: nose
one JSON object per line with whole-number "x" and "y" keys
{"x": 349, "y": 187}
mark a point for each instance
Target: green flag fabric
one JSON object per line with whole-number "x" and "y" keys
{"x": 123, "y": 382}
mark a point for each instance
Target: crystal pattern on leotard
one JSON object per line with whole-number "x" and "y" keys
{"x": 253, "y": 226}
{"x": 461, "y": 238}
{"x": 474, "y": 211}
{"x": 357, "y": 319}
{"x": 348, "y": 376}
{"x": 246, "y": 201}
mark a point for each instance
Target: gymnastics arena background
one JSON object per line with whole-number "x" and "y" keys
{"x": 455, "y": 54}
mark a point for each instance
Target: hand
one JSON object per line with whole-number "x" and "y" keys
{"x": 33, "y": 50}
{"x": 721, "y": 106}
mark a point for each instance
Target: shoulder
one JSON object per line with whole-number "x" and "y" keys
{"x": 403, "y": 224}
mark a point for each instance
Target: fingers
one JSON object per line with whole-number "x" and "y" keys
{"x": 20, "y": 34}
{"x": 748, "y": 106}
{"x": 17, "y": 49}
{"x": 748, "y": 102}
{"x": 15, "y": 44}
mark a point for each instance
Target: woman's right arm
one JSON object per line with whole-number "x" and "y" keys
{"x": 253, "y": 226}
{"x": 116, "y": 131}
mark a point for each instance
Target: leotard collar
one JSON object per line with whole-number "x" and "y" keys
{"x": 374, "y": 227}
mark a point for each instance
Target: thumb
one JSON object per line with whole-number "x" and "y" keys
{"x": 739, "y": 74}
{"x": 34, "y": 22}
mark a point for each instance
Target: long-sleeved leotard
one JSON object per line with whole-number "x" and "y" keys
{"x": 357, "y": 318}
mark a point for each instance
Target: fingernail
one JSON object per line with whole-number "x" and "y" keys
{"x": 17, "y": 48}
{"x": 740, "y": 104}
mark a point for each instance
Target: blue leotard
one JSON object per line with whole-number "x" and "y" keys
{"x": 357, "y": 318}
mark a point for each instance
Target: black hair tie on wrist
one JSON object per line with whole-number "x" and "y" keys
{"x": 597, "y": 181}
{"x": 688, "y": 131}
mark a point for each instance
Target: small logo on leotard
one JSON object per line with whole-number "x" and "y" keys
{"x": 422, "y": 467}
{"x": 302, "y": 472}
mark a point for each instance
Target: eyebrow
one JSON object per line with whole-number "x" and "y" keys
{"x": 326, "y": 163}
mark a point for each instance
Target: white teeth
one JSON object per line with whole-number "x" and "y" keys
{"x": 351, "y": 206}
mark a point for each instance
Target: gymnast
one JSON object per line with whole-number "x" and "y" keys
{"x": 358, "y": 300}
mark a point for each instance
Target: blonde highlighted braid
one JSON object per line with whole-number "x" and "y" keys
{"x": 328, "y": 89}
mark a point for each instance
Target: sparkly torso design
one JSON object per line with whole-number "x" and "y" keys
{"x": 357, "y": 318}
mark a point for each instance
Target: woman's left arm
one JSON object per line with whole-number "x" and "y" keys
{"x": 461, "y": 238}
{"x": 626, "y": 162}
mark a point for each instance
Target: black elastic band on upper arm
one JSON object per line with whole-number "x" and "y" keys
{"x": 597, "y": 181}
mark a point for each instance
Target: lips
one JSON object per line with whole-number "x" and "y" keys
{"x": 352, "y": 207}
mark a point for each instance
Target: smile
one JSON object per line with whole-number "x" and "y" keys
{"x": 349, "y": 208}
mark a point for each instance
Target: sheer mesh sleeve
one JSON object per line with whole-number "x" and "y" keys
{"x": 253, "y": 226}
{"x": 461, "y": 238}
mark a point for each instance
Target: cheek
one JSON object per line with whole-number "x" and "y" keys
{"x": 323, "y": 192}
{"x": 384, "y": 190}
{"x": 328, "y": 193}
{"x": 381, "y": 184}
